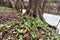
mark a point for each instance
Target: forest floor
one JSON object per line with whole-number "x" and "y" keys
{"x": 15, "y": 26}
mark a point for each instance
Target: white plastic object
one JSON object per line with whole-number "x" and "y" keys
{"x": 23, "y": 11}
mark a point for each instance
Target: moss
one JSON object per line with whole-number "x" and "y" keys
{"x": 6, "y": 9}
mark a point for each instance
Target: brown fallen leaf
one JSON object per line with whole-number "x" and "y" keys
{"x": 24, "y": 31}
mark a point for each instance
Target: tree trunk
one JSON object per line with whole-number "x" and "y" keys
{"x": 36, "y": 9}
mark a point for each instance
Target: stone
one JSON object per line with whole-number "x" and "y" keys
{"x": 53, "y": 20}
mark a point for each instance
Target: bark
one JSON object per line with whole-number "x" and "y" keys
{"x": 36, "y": 9}
{"x": 18, "y": 5}
{"x": 42, "y": 10}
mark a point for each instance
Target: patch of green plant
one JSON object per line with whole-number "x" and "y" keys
{"x": 5, "y": 9}
{"x": 20, "y": 37}
{"x": 50, "y": 34}
{"x": 31, "y": 24}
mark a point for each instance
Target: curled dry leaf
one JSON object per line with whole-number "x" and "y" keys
{"x": 25, "y": 31}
